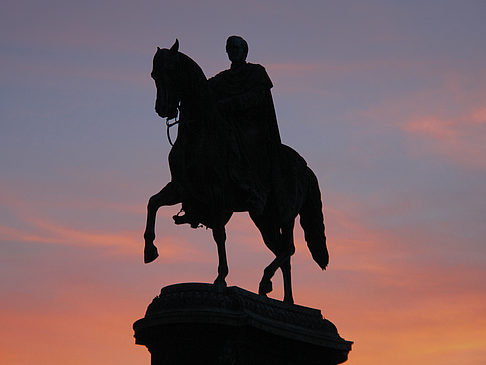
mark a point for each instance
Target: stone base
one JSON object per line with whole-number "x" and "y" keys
{"x": 197, "y": 323}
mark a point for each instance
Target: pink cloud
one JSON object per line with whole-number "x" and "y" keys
{"x": 432, "y": 127}
{"x": 461, "y": 139}
{"x": 447, "y": 119}
{"x": 479, "y": 115}
{"x": 33, "y": 226}
{"x": 128, "y": 243}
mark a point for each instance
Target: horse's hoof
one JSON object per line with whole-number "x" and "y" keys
{"x": 265, "y": 287}
{"x": 289, "y": 300}
{"x": 150, "y": 253}
{"x": 220, "y": 283}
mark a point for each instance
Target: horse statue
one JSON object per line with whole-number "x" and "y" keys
{"x": 201, "y": 162}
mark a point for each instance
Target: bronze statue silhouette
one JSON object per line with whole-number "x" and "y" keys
{"x": 213, "y": 176}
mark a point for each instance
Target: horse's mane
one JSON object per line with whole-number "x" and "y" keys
{"x": 195, "y": 80}
{"x": 192, "y": 68}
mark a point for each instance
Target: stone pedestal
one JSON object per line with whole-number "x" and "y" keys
{"x": 197, "y": 323}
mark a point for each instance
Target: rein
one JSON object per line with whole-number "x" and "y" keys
{"x": 169, "y": 124}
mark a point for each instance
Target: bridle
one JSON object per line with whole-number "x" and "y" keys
{"x": 170, "y": 124}
{"x": 175, "y": 121}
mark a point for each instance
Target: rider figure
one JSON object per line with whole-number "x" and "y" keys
{"x": 245, "y": 101}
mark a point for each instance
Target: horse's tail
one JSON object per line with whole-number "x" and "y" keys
{"x": 312, "y": 222}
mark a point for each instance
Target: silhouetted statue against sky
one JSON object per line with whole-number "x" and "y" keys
{"x": 244, "y": 98}
{"x": 228, "y": 158}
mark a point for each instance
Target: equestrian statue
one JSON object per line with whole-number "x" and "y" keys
{"x": 228, "y": 157}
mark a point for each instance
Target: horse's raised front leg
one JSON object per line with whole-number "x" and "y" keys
{"x": 169, "y": 195}
{"x": 219, "y": 235}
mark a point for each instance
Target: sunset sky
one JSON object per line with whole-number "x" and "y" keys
{"x": 386, "y": 100}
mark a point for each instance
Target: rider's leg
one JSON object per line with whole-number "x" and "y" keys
{"x": 187, "y": 217}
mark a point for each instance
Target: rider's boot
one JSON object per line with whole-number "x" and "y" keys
{"x": 186, "y": 218}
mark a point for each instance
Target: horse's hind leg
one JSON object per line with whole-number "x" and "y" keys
{"x": 282, "y": 245}
{"x": 285, "y": 267}
{"x": 271, "y": 237}
{"x": 288, "y": 238}
{"x": 169, "y": 195}
{"x": 219, "y": 235}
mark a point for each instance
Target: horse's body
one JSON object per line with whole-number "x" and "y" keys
{"x": 201, "y": 163}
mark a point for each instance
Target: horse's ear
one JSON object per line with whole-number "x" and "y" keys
{"x": 175, "y": 46}
{"x": 158, "y": 49}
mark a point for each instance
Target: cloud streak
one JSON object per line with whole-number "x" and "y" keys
{"x": 461, "y": 139}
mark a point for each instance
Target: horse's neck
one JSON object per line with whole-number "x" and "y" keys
{"x": 195, "y": 89}
{"x": 191, "y": 105}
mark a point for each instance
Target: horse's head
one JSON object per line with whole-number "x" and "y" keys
{"x": 165, "y": 73}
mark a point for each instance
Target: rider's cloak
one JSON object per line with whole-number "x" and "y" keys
{"x": 245, "y": 101}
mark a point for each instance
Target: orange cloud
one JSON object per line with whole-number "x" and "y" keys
{"x": 427, "y": 315}
{"x": 378, "y": 296}
{"x": 84, "y": 325}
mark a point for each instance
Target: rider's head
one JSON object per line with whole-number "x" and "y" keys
{"x": 237, "y": 49}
